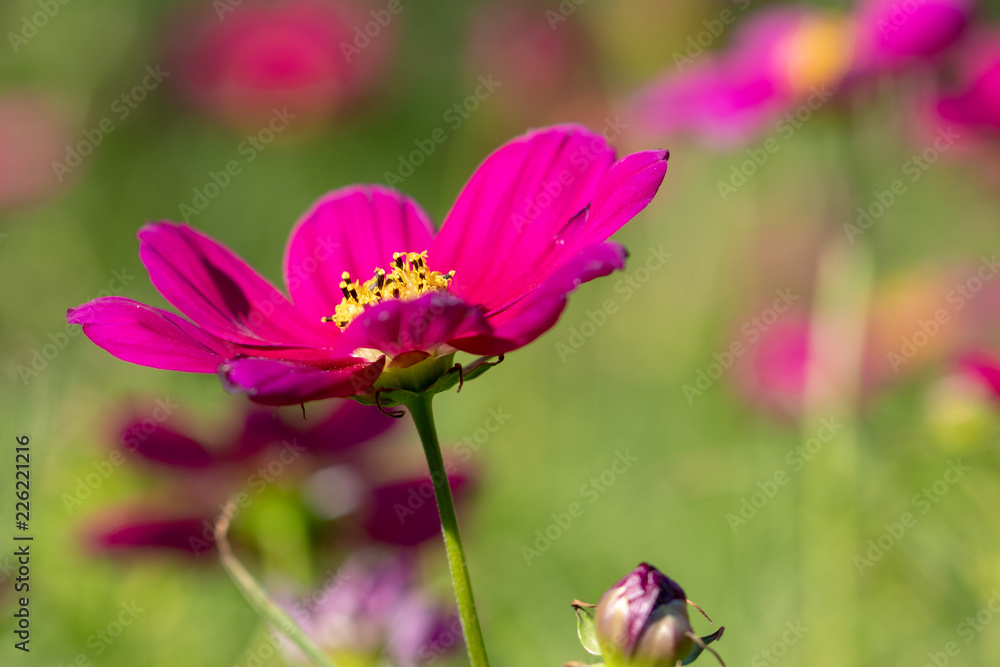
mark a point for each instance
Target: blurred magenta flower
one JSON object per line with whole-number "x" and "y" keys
{"x": 789, "y": 61}
{"x": 241, "y": 62}
{"x": 984, "y": 368}
{"x": 33, "y": 136}
{"x": 374, "y": 608}
{"x": 377, "y": 299}
{"x": 975, "y": 103}
{"x": 266, "y": 451}
{"x": 778, "y": 57}
{"x": 891, "y": 34}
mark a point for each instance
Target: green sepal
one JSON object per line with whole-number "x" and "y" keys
{"x": 585, "y": 628}
{"x": 432, "y": 375}
{"x": 697, "y": 650}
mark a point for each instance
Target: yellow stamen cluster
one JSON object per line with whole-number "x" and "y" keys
{"x": 408, "y": 279}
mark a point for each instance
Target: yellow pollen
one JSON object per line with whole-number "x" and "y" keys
{"x": 819, "y": 52}
{"x": 409, "y": 279}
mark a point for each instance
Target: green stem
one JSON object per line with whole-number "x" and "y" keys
{"x": 423, "y": 417}
{"x": 258, "y": 597}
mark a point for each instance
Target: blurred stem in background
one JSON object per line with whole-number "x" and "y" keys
{"x": 423, "y": 416}
{"x": 258, "y": 597}
{"x": 831, "y": 485}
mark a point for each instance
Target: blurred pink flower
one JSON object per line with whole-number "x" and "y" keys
{"x": 984, "y": 368}
{"x": 791, "y": 58}
{"x": 778, "y": 57}
{"x": 33, "y": 135}
{"x": 375, "y": 607}
{"x": 975, "y": 102}
{"x": 263, "y": 452}
{"x": 243, "y": 62}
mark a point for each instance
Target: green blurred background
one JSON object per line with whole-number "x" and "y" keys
{"x": 570, "y": 414}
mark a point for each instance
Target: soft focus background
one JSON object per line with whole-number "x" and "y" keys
{"x": 780, "y": 366}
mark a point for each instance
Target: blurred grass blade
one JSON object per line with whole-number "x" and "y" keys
{"x": 257, "y": 596}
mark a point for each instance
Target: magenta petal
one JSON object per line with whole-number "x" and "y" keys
{"x": 509, "y": 213}
{"x": 274, "y": 382}
{"x": 166, "y": 446}
{"x": 423, "y": 324}
{"x": 625, "y": 191}
{"x": 355, "y": 229}
{"x": 348, "y": 425}
{"x": 184, "y": 534}
{"x": 210, "y": 284}
{"x": 404, "y": 513}
{"x": 261, "y": 428}
{"x": 891, "y": 32}
{"x": 148, "y": 336}
{"x": 526, "y": 320}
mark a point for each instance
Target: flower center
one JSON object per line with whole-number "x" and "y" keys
{"x": 818, "y": 52}
{"x": 409, "y": 279}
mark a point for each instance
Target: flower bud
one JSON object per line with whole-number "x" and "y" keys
{"x": 643, "y": 621}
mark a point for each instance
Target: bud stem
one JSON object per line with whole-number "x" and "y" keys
{"x": 423, "y": 417}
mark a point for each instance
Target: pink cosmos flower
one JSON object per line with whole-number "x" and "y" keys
{"x": 377, "y": 299}
{"x": 777, "y": 57}
{"x": 266, "y": 451}
{"x": 784, "y": 57}
{"x": 242, "y": 62}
